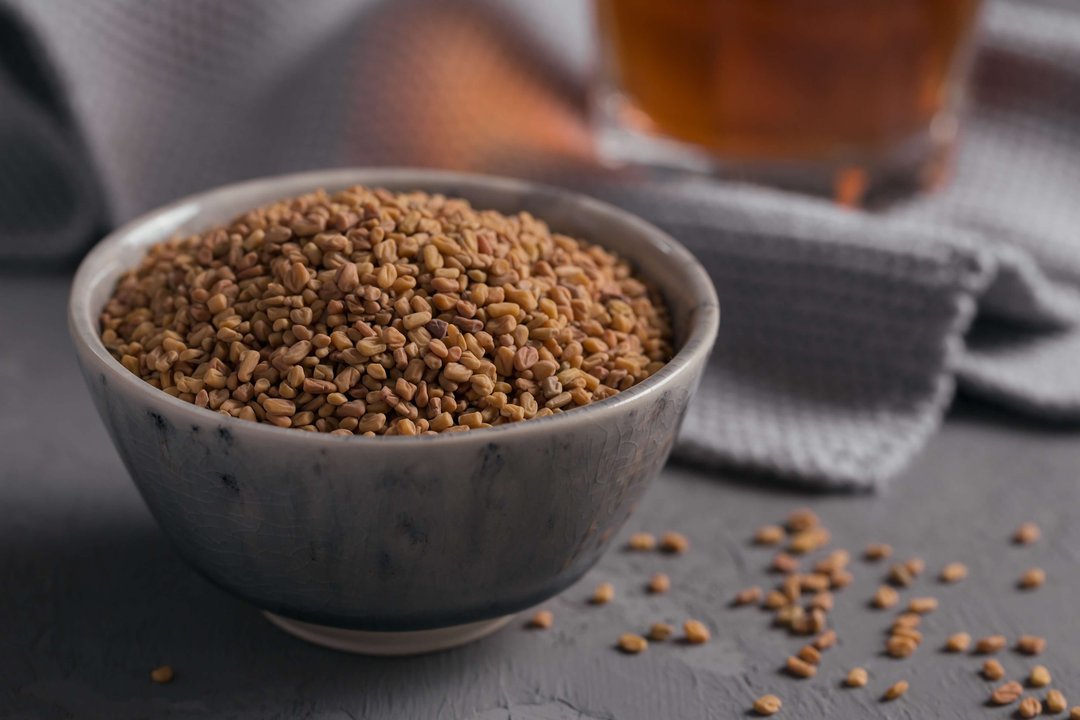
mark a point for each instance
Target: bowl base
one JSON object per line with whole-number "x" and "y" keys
{"x": 364, "y": 642}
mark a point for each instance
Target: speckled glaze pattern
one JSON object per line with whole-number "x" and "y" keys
{"x": 397, "y": 534}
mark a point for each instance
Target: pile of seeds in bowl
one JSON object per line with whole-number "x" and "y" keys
{"x": 375, "y": 313}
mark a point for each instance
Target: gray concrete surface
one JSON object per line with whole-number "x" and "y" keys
{"x": 92, "y": 596}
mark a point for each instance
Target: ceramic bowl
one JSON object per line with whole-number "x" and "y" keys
{"x": 396, "y": 544}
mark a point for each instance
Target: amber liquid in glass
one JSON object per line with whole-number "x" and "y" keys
{"x": 803, "y": 80}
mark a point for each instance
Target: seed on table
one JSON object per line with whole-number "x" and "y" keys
{"x": 992, "y": 670}
{"x": 899, "y": 646}
{"x": 767, "y": 705}
{"x": 659, "y": 583}
{"x": 632, "y": 644}
{"x": 542, "y": 620}
{"x": 990, "y": 644}
{"x": 822, "y": 600}
{"x": 1074, "y": 714}
{"x": 1032, "y": 579}
{"x": 958, "y": 642}
{"x": 1030, "y": 644}
{"x": 784, "y": 563}
{"x": 1026, "y": 534}
{"x": 747, "y": 596}
{"x": 661, "y": 631}
{"x": 900, "y": 575}
{"x": 810, "y": 654}
{"x": 895, "y": 690}
{"x": 1055, "y": 702}
{"x": 1007, "y": 693}
{"x": 856, "y": 677}
{"x": 885, "y": 597}
{"x": 1039, "y": 677}
{"x": 906, "y": 620}
{"x": 907, "y": 632}
{"x": 923, "y": 605}
{"x": 1029, "y": 707}
{"x": 915, "y": 566}
{"x": 877, "y": 551}
{"x": 603, "y": 594}
{"x": 641, "y": 541}
{"x": 696, "y": 632}
{"x": 800, "y": 668}
{"x": 825, "y": 640}
{"x": 809, "y": 540}
{"x": 774, "y": 600}
{"x": 840, "y": 579}
{"x": 802, "y": 519}
{"x": 674, "y": 542}
{"x": 769, "y": 535}
{"x": 813, "y": 582}
{"x": 953, "y": 572}
{"x": 162, "y": 674}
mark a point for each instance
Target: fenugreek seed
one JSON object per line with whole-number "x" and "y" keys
{"x": 840, "y": 579}
{"x": 661, "y": 631}
{"x": 641, "y": 541}
{"x": 825, "y": 640}
{"x": 696, "y": 633}
{"x": 1039, "y": 677}
{"x": 923, "y": 605}
{"x": 632, "y": 644}
{"x": 898, "y": 646}
{"x": 907, "y": 632}
{"x": 1032, "y": 579}
{"x": 895, "y": 690}
{"x": 822, "y": 600}
{"x": 885, "y": 597}
{"x": 784, "y": 563}
{"x": 958, "y": 642}
{"x": 674, "y": 542}
{"x": 954, "y": 572}
{"x": 808, "y": 540}
{"x": 1030, "y": 644}
{"x": 1074, "y": 714}
{"x": 1029, "y": 707}
{"x": 747, "y": 596}
{"x": 277, "y": 406}
{"x": 810, "y": 654}
{"x": 877, "y": 551}
{"x": 775, "y": 599}
{"x": 659, "y": 583}
{"x": 800, "y": 668}
{"x": 1055, "y": 702}
{"x": 603, "y": 594}
{"x": 990, "y": 644}
{"x": 915, "y": 566}
{"x": 856, "y": 677}
{"x": 1007, "y": 693}
{"x": 161, "y": 675}
{"x": 992, "y": 670}
{"x": 907, "y": 620}
{"x": 769, "y": 535}
{"x": 899, "y": 575}
{"x": 541, "y": 620}
{"x": 1027, "y": 534}
{"x": 802, "y": 519}
{"x": 767, "y": 705}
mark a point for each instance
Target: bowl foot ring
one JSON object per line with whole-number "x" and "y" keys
{"x": 364, "y": 642}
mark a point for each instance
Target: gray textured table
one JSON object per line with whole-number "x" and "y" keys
{"x": 93, "y": 596}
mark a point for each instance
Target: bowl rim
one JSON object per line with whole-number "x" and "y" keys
{"x": 100, "y": 261}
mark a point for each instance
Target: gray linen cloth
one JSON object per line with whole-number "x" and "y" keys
{"x": 844, "y": 334}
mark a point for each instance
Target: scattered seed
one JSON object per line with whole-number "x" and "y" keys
{"x": 895, "y": 690}
{"x": 990, "y": 644}
{"x": 784, "y": 563}
{"x": 767, "y": 705}
{"x": 885, "y": 597}
{"x": 1055, "y": 702}
{"x": 661, "y": 631}
{"x": 162, "y": 674}
{"x": 1074, "y": 714}
{"x": 856, "y": 677}
{"x": 774, "y": 600}
{"x": 1032, "y": 579}
{"x": 632, "y": 644}
{"x": 1039, "y": 677}
{"x": 747, "y": 596}
{"x": 1030, "y": 644}
{"x": 825, "y": 640}
{"x": 1030, "y": 707}
{"x": 674, "y": 542}
{"x": 877, "y": 551}
{"x": 822, "y": 600}
{"x": 802, "y": 519}
{"x": 900, "y": 575}
{"x": 659, "y": 583}
{"x": 954, "y": 572}
{"x": 542, "y": 620}
{"x": 696, "y": 632}
{"x": 992, "y": 670}
{"x": 958, "y": 642}
{"x": 908, "y": 632}
{"x": 898, "y": 646}
{"x": 1007, "y": 693}
{"x": 810, "y": 654}
{"x": 603, "y": 594}
{"x": 806, "y": 541}
{"x": 800, "y": 668}
{"x": 915, "y": 566}
{"x": 840, "y": 579}
{"x": 923, "y": 605}
{"x": 906, "y": 620}
{"x": 642, "y": 542}
{"x": 769, "y": 535}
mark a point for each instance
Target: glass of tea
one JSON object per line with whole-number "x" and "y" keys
{"x": 830, "y": 96}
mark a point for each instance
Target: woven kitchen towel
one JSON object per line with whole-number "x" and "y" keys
{"x": 844, "y": 334}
